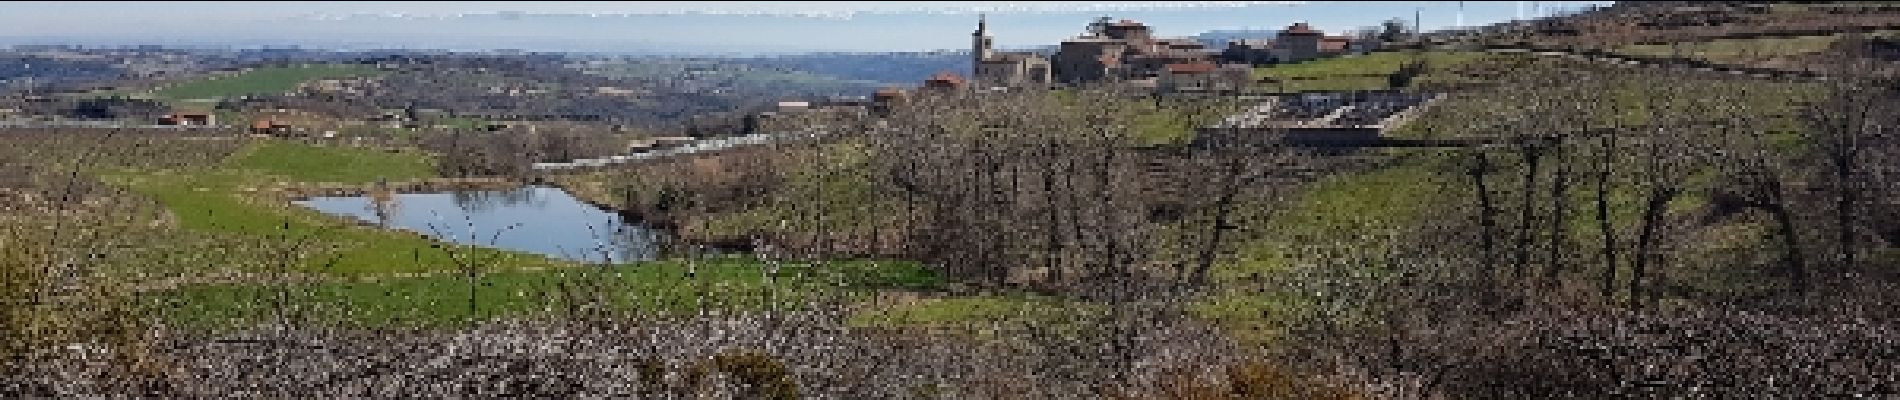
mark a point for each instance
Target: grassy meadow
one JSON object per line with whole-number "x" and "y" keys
{"x": 231, "y": 224}
{"x": 725, "y": 285}
{"x": 266, "y": 80}
{"x": 1356, "y": 72}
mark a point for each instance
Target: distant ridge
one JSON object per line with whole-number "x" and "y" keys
{"x": 1219, "y": 38}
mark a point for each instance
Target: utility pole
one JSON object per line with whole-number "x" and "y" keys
{"x": 1418, "y": 31}
{"x": 1461, "y": 15}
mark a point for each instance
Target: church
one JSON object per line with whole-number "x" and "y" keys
{"x": 1006, "y": 69}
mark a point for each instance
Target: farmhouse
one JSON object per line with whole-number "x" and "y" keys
{"x": 266, "y": 127}
{"x": 188, "y": 119}
{"x": 1298, "y": 42}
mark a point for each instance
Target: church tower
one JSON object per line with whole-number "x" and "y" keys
{"x": 980, "y": 42}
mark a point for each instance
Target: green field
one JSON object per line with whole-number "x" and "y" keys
{"x": 1737, "y": 50}
{"x": 1360, "y": 72}
{"x": 362, "y": 275}
{"x": 225, "y": 210}
{"x": 650, "y": 288}
{"x": 267, "y": 80}
{"x": 306, "y": 163}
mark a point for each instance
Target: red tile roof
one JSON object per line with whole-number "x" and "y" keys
{"x": 1334, "y": 43}
{"x": 947, "y": 76}
{"x": 945, "y": 79}
{"x": 1299, "y": 28}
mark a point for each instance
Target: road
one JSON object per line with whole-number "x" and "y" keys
{"x": 701, "y": 146}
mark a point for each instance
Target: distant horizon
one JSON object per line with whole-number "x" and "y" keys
{"x": 682, "y": 28}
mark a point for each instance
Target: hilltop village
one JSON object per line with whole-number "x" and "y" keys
{"x": 1656, "y": 199}
{"x": 1126, "y": 54}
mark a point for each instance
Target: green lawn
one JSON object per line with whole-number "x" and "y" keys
{"x": 1345, "y": 216}
{"x": 307, "y": 163}
{"x": 373, "y": 276}
{"x": 262, "y": 81}
{"x": 219, "y": 204}
{"x": 1363, "y": 72}
{"x": 1249, "y": 317}
{"x": 651, "y": 288}
{"x": 1332, "y": 84}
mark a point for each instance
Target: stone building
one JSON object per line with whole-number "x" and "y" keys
{"x": 1299, "y": 42}
{"x": 1296, "y": 43}
{"x": 1008, "y": 69}
{"x": 1123, "y": 50}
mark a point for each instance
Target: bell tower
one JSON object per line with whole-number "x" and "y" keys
{"x": 980, "y": 44}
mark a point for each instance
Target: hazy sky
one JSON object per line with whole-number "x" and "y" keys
{"x": 739, "y": 26}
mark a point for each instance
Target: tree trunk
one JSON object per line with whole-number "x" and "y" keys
{"x": 991, "y": 212}
{"x": 1532, "y": 156}
{"x": 1486, "y": 230}
{"x": 1052, "y": 250}
{"x": 1791, "y": 246}
{"x": 1560, "y": 216}
{"x": 1109, "y": 213}
{"x": 1223, "y": 208}
{"x": 1076, "y": 218}
{"x": 1652, "y": 217}
{"x": 1844, "y": 211}
{"x": 1603, "y": 215}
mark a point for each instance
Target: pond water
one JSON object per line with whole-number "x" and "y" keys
{"x": 532, "y": 219}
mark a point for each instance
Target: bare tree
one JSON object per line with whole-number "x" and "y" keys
{"x": 1487, "y": 223}
{"x": 1605, "y": 164}
{"x": 1761, "y": 178}
{"x": 1841, "y": 124}
{"x": 1560, "y": 207}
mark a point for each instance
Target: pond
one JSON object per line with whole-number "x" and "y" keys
{"x": 532, "y": 219}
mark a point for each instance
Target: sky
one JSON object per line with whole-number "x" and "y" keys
{"x": 742, "y": 27}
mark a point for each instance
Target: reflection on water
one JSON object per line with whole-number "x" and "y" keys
{"x": 534, "y": 219}
{"x": 487, "y": 200}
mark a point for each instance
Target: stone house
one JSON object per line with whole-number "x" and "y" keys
{"x": 1123, "y": 50}
{"x": 1298, "y": 42}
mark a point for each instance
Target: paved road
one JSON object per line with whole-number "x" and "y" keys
{"x": 701, "y": 146}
